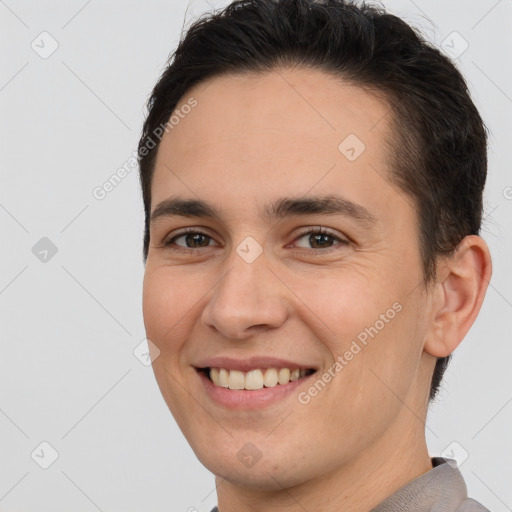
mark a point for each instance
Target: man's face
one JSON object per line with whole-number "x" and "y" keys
{"x": 260, "y": 292}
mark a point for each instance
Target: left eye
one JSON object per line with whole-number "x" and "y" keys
{"x": 320, "y": 239}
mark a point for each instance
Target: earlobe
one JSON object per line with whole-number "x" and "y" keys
{"x": 462, "y": 283}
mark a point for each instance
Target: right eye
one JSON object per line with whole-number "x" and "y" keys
{"x": 193, "y": 239}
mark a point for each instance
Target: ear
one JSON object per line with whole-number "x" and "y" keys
{"x": 458, "y": 295}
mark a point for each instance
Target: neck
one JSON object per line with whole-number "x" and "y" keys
{"x": 358, "y": 485}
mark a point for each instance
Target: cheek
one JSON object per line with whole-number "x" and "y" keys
{"x": 381, "y": 376}
{"x": 341, "y": 305}
{"x": 165, "y": 304}
{"x": 372, "y": 324}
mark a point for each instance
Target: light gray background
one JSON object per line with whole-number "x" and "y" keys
{"x": 69, "y": 325}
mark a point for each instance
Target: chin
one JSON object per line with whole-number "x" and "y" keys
{"x": 269, "y": 473}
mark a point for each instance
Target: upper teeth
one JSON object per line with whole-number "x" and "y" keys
{"x": 254, "y": 379}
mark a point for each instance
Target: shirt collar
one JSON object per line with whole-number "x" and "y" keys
{"x": 441, "y": 489}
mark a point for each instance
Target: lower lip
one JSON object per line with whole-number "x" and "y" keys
{"x": 250, "y": 399}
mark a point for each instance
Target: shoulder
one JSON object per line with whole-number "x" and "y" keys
{"x": 470, "y": 505}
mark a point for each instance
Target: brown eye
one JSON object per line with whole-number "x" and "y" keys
{"x": 192, "y": 240}
{"x": 319, "y": 239}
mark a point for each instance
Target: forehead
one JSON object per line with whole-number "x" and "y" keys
{"x": 263, "y": 134}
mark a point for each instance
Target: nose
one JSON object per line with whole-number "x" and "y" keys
{"x": 247, "y": 299}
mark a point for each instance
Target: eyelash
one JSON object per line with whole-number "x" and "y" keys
{"x": 318, "y": 230}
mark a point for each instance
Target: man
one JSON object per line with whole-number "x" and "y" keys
{"x": 312, "y": 175}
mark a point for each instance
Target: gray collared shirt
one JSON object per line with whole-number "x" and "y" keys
{"x": 442, "y": 489}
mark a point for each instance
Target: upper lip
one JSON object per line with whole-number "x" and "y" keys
{"x": 250, "y": 363}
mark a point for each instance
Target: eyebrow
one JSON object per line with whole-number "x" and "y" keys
{"x": 279, "y": 209}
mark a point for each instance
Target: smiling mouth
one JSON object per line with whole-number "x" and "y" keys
{"x": 254, "y": 379}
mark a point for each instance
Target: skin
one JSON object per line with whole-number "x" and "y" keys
{"x": 250, "y": 140}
